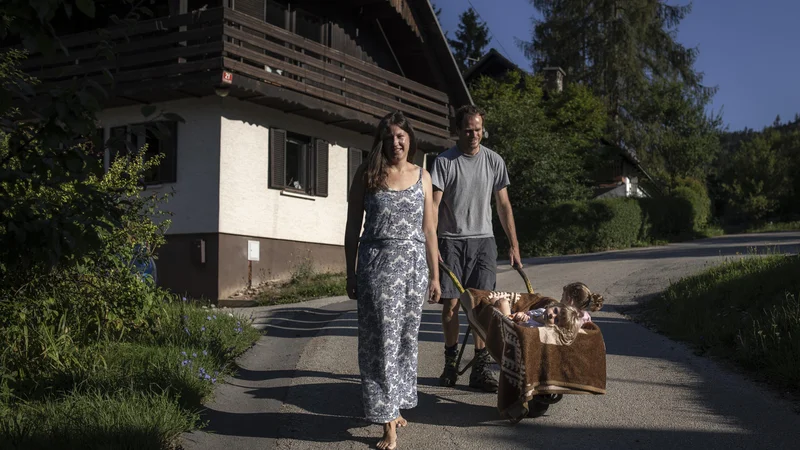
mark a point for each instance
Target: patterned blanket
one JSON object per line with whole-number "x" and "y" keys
{"x": 531, "y": 360}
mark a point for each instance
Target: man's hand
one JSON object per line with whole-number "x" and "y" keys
{"x": 514, "y": 258}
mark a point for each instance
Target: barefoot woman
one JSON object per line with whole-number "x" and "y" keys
{"x": 390, "y": 279}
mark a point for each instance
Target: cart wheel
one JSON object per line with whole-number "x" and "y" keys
{"x": 516, "y": 414}
{"x": 537, "y": 409}
{"x": 550, "y": 399}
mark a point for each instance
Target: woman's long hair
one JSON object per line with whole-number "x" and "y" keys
{"x": 375, "y": 173}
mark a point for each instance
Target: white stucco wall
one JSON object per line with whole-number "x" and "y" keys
{"x": 247, "y": 206}
{"x": 195, "y": 203}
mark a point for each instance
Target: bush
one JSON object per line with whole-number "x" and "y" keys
{"x": 46, "y": 310}
{"x": 579, "y": 227}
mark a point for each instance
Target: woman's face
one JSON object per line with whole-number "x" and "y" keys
{"x": 396, "y": 144}
{"x": 551, "y": 315}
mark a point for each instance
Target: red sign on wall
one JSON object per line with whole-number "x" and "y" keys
{"x": 227, "y": 77}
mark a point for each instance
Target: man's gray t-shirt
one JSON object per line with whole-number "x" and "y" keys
{"x": 467, "y": 183}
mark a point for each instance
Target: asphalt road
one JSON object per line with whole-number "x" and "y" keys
{"x": 299, "y": 387}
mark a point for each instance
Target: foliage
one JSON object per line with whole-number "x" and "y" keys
{"x": 757, "y": 179}
{"x": 472, "y": 37}
{"x": 747, "y": 310}
{"x": 628, "y": 55}
{"x": 547, "y": 142}
{"x": 580, "y": 227}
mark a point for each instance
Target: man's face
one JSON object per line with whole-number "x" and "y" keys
{"x": 471, "y": 132}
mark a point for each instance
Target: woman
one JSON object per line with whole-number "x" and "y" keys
{"x": 396, "y": 254}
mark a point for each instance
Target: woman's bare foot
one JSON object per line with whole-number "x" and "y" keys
{"x": 389, "y": 440}
{"x": 401, "y": 422}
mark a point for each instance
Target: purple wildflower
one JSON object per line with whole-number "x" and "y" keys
{"x": 202, "y": 328}
{"x": 205, "y": 353}
{"x": 185, "y": 362}
{"x": 184, "y": 299}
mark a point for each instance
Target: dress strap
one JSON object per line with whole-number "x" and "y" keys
{"x": 420, "y": 175}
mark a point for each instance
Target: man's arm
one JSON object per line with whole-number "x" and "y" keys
{"x": 507, "y": 220}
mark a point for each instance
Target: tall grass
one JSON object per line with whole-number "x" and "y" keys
{"x": 85, "y": 420}
{"x": 305, "y": 283}
{"x": 140, "y": 392}
{"x": 745, "y": 310}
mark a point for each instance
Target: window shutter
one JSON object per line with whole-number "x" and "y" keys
{"x": 322, "y": 168}
{"x": 277, "y": 158}
{"x": 168, "y": 169}
{"x": 354, "y": 159}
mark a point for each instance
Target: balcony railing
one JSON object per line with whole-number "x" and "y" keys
{"x": 158, "y": 52}
{"x": 274, "y": 55}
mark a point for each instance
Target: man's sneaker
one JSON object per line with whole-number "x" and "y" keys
{"x": 450, "y": 373}
{"x": 481, "y": 376}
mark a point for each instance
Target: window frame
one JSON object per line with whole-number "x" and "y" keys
{"x": 316, "y": 167}
{"x": 167, "y": 170}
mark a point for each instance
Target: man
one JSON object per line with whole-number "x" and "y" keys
{"x": 464, "y": 179}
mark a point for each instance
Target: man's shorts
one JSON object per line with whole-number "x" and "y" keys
{"x": 473, "y": 261}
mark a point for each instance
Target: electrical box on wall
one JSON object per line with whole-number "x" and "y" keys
{"x": 253, "y": 250}
{"x": 199, "y": 251}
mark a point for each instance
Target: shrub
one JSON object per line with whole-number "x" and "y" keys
{"x": 578, "y": 227}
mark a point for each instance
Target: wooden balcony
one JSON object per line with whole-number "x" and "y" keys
{"x": 228, "y": 52}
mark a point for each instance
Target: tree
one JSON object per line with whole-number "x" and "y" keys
{"x": 548, "y": 144}
{"x": 757, "y": 178}
{"x": 471, "y": 38}
{"x": 69, "y": 231}
{"x": 626, "y": 53}
{"x": 437, "y": 11}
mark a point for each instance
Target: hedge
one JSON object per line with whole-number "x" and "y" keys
{"x": 604, "y": 224}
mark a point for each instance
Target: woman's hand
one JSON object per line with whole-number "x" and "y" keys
{"x": 434, "y": 291}
{"x": 352, "y": 284}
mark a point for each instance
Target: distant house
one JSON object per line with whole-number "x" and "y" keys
{"x": 620, "y": 177}
{"x": 280, "y": 100}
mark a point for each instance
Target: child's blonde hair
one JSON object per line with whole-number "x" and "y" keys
{"x": 578, "y": 295}
{"x": 569, "y": 324}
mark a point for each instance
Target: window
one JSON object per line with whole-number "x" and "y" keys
{"x": 161, "y": 138}
{"x": 298, "y": 163}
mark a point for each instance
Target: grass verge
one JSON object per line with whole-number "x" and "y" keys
{"x": 747, "y": 311}
{"x": 304, "y": 284}
{"x": 142, "y": 392}
{"x": 775, "y": 226}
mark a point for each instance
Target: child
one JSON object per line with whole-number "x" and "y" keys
{"x": 578, "y": 295}
{"x": 566, "y": 319}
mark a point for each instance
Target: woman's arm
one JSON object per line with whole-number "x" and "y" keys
{"x": 429, "y": 220}
{"x": 355, "y": 219}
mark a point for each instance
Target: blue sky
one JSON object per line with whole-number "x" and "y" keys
{"x": 748, "y": 49}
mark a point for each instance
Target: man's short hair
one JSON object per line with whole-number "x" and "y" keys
{"x": 467, "y": 111}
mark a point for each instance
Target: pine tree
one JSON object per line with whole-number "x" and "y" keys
{"x": 471, "y": 38}
{"x": 437, "y": 11}
{"x": 626, "y": 52}
{"x": 777, "y": 121}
